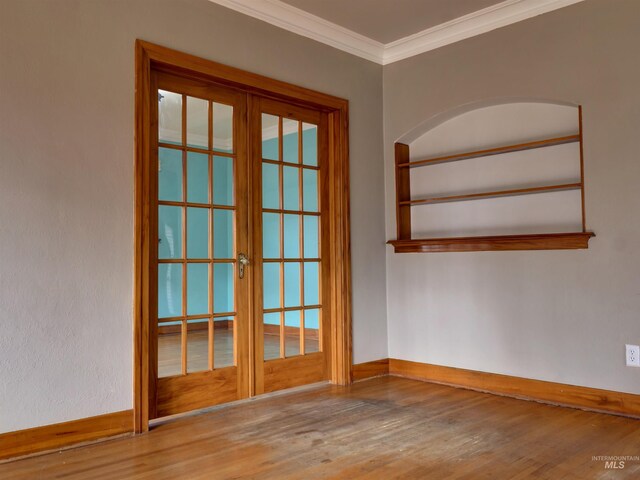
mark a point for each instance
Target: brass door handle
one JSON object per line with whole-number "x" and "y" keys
{"x": 243, "y": 261}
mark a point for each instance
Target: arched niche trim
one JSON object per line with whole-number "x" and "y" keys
{"x": 441, "y": 117}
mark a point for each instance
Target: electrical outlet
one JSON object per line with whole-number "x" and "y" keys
{"x": 633, "y": 355}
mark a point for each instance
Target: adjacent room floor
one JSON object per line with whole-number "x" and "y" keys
{"x": 170, "y": 354}
{"x": 380, "y": 428}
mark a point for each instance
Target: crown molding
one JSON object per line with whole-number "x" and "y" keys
{"x": 467, "y": 26}
{"x": 298, "y": 21}
{"x": 311, "y": 26}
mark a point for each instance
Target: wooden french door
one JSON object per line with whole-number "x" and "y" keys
{"x": 200, "y": 336}
{"x": 239, "y": 210}
{"x": 291, "y": 324}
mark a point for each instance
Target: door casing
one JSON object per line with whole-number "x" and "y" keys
{"x": 149, "y": 56}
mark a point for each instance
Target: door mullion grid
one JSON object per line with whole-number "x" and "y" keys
{"x": 301, "y": 238}
{"x": 281, "y": 217}
{"x": 184, "y": 330}
{"x": 210, "y": 290}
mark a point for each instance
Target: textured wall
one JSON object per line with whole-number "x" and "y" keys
{"x": 66, "y": 186}
{"x": 554, "y": 315}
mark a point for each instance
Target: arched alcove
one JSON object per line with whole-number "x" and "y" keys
{"x": 442, "y": 117}
{"x": 493, "y": 175}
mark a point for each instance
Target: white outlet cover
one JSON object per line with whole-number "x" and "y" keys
{"x": 632, "y": 354}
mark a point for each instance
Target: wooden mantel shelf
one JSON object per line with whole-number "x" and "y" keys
{"x": 543, "y": 241}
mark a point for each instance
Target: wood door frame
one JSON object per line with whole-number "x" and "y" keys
{"x": 149, "y": 56}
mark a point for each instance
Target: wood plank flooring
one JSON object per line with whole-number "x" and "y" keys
{"x": 383, "y": 428}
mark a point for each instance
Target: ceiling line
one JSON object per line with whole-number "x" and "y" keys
{"x": 311, "y": 26}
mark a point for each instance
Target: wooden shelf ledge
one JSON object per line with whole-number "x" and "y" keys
{"x": 495, "y": 194}
{"x": 542, "y": 241}
{"x": 548, "y": 142}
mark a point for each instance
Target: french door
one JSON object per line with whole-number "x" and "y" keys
{"x": 289, "y": 164}
{"x": 239, "y": 196}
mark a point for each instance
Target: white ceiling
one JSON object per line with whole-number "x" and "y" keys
{"x": 389, "y": 20}
{"x": 386, "y": 31}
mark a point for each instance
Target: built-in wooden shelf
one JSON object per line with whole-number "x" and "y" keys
{"x": 540, "y": 241}
{"x": 543, "y": 241}
{"x": 548, "y": 142}
{"x": 494, "y": 194}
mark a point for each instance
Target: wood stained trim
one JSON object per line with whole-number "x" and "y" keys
{"x": 586, "y": 398}
{"x": 514, "y": 192}
{"x": 549, "y": 142}
{"x": 170, "y": 60}
{"x": 142, "y": 244}
{"x": 376, "y": 368}
{"x": 542, "y": 241}
{"x": 403, "y": 193}
{"x": 340, "y": 246}
{"x": 59, "y": 435}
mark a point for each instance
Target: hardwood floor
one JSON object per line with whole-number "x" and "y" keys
{"x": 383, "y": 428}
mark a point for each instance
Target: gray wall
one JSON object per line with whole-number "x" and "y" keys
{"x": 66, "y": 186}
{"x": 553, "y": 315}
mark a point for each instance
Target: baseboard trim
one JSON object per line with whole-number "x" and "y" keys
{"x": 60, "y": 435}
{"x": 585, "y": 398}
{"x": 376, "y": 368}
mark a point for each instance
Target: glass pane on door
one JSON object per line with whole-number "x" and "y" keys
{"x": 292, "y": 333}
{"x": 272, "y": 326}
{"x": 312, "y": 330}
{"x": 169, "y": 349}
{"x": 290, "y": 238}
{"x": 196, "y": 235}
{"x": 197, "y": 345}
{"x": 223, "y": 352}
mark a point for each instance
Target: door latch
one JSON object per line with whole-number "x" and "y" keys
{"x": 243, "y": 261}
